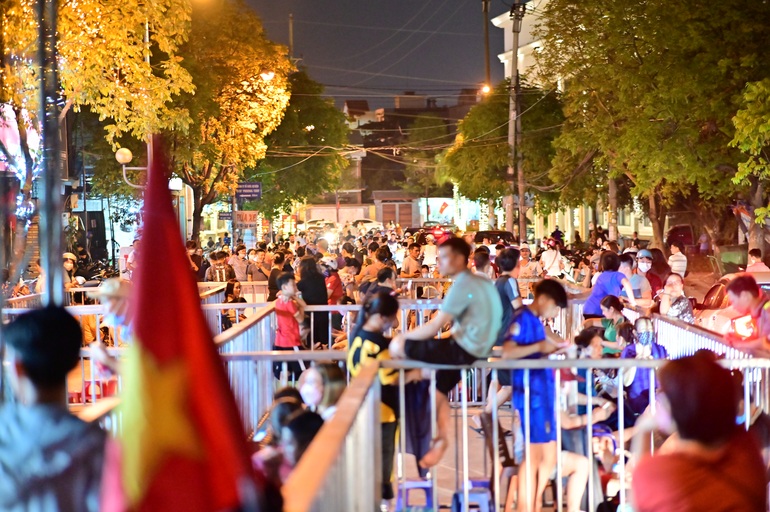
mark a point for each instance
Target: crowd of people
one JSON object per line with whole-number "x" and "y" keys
{"x": 493, "y": 295}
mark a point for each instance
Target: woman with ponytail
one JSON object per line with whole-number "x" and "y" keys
{"x": 378, "y": 315}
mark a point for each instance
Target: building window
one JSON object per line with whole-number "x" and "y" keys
{"x": 624, "y": 217}
{"x": 646, "y": 221}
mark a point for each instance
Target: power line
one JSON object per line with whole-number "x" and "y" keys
{"x": 416, "y": 78}
{"x": 372, "y": 27}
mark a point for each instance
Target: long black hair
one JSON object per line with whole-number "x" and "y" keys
{"x": 381, "y": 303}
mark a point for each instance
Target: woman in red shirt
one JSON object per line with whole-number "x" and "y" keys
{"x": 708, "y": 462}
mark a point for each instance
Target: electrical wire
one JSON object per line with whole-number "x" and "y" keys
{"x": 373, "y": 27}
{"x": 416, "y": 78}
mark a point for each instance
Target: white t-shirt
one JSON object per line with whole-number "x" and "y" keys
{"x": 429, "y": 253}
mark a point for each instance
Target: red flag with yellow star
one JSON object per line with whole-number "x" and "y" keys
{"x": 182, "y": 446}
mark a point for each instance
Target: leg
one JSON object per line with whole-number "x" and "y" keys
{"x": 544, "y": 472}
{"x": 528, "y": 471}
{"x": 503, "y": 395}
{"x": 441, "y": 442}
{"x": 576, "y": 467}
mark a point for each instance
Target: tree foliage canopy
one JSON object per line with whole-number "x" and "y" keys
{"x": 479, "y": 159}
{"x": 428, "y": 135}
{"x": 303, "y": 154}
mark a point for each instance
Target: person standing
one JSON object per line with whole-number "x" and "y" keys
{"x": 529, "y": 270}
{"x": 644, "y": 269}
{"x": 411, "y": 265}
{"x": 609, "y": 282}
{"x": 313, "y": 287}
{"x": 551, "y": 260}
{"x": 755, "y": 262}
{"x": 678, "y": 261}
{"x": 239, "y": 263}
{"x": 272, "y": 280}
{"x": 429, "y": 251}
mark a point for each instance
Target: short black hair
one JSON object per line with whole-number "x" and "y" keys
{"x": 279, "y": 258}
{"x": 372, "y": 247}
{"x": 482, "y": 248}
{"x": 480, "y": 259}
{"x": 508, "y": 259}
{"x": 744, "y": 283}
{"x": 627, "y": 259}
{"x": 756, "y": 253}
{"x": 47, "y": 342}
{"x": 553, "y": 290}
{"x": 221, "y": 255}
{"x": 384, "y": 274}
{"x": 283, "y": 279}
{"x": 678, "y": 244}
{"x": 584, "y": 337}
{"x": 609, "y": 261}
{"x": 459, "y": 246}
{"x": 348, "y": 247}
{"x": 412, "y": 246}
{"x": 191, "y": 244}
{"x": 240, "y": 248}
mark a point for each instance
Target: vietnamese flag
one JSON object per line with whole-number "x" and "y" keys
{"x": 183, "y": 446}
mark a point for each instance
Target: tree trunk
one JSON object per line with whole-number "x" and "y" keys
{"x": 657, "y": 220}
{"x": 613, "y": 209}
{"x": 197, "y": 216}
{"x": 757, "y": 230}
{"x": 522, "y": 205}
{"x": 491, "y": 220}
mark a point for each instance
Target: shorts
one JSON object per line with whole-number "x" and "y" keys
{"x": 440, "y": 351}
{"x": 294, "y": 368}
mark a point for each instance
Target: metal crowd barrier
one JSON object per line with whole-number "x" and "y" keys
{"x": 341, "y": 469}
{"x": 332, "y": 488}
{"x": 25, "y": 301}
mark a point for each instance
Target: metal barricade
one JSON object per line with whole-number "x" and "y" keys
{"x": 25, "y": 301}
{"x": 341, "y": 469}
{"x": 254, "y": 291}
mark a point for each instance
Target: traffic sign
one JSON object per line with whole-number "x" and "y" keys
{"x": 249, "y": 190}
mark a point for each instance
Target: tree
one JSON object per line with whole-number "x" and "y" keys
{"x": 649, "y": 95}
{"x": 426, "y": 139}
{"x": 304, "y": 156}
{"x": 479, "y": 159}
{"x": 241, "y": 94}
{"x": 101, "y": 64}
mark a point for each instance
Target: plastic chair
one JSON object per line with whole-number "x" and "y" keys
{"x": 414, "y": 485}
{"x": 481, "y": 497}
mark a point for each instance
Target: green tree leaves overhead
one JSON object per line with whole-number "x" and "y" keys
{"x": 303, "y": 157}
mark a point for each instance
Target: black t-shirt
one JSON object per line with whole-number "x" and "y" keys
{"x": 373, "y": 345}
{"x": 313, "y": 290}
{"x": 508, "y": 289}
{"x": 272, "y": 285}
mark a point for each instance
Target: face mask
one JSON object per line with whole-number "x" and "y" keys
{"x": 311, "y": 395}
{"x": 253, "y": 257}
{"x": 425, "y": 275}
{"x": 69, "y": 265}
{"x": 645, "y": 338}
{"x": 644, "y": 266}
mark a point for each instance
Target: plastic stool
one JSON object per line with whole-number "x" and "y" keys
{"x": 481, "y": 497}
{"x": 479, "y": 484}
{"x": 415, "y": 485}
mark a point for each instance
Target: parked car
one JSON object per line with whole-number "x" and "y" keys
{"x": 715, "y": 313}
{"x": 367, "y": 224}
{"x": 315, "y": 224}
{"x": 495, "y": 237}
{"x": 682, "y": 233}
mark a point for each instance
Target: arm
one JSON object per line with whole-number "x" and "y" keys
{"x": 512, "y": 350}
{"x": 592, "y": 322}
{"x": 665, "y": 302}
{"x": 629, "y": 291}
{"x": 431, "y": 328}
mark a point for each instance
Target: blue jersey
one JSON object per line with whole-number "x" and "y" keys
{"x": 527, "y": 330}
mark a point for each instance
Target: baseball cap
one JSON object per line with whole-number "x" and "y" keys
{"x": 330, "y": 262}
{"x": 644, "y": 253}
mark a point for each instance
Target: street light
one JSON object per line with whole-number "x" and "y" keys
{"x": 486, "y": 89}
{"x": 124, "y": 156}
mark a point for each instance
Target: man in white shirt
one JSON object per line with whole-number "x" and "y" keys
{"x": 677, "y": 261}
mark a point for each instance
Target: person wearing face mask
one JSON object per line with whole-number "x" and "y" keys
{"x": 644, "y": 267}
{"x": 69, "y": 271}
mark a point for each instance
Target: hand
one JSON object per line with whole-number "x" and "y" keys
{"x": 396, "y": 347}
{"x": 599, "y": 414}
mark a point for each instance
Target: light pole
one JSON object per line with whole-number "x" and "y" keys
{"x": 124, "y": 157}
{"x": 514, "y": 127}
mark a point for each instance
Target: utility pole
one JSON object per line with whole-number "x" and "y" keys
{"x": 291, "y": 36}
{"x": 514, "y": 128}
{"x": 48, "y": 115}
{"x": 487, "y": 69}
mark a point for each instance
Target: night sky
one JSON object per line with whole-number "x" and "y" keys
{"x": 392, "y": 45}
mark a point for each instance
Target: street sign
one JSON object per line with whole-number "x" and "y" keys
{"x": 246, "y": 219}
{"x": 225, "y": 215}
{"x": 249, "y": 191}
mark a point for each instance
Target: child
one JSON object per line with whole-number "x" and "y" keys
{"x": 289, "y": 311}
{"x": 379, "y": 314}
{"x": 528, "y": 339}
